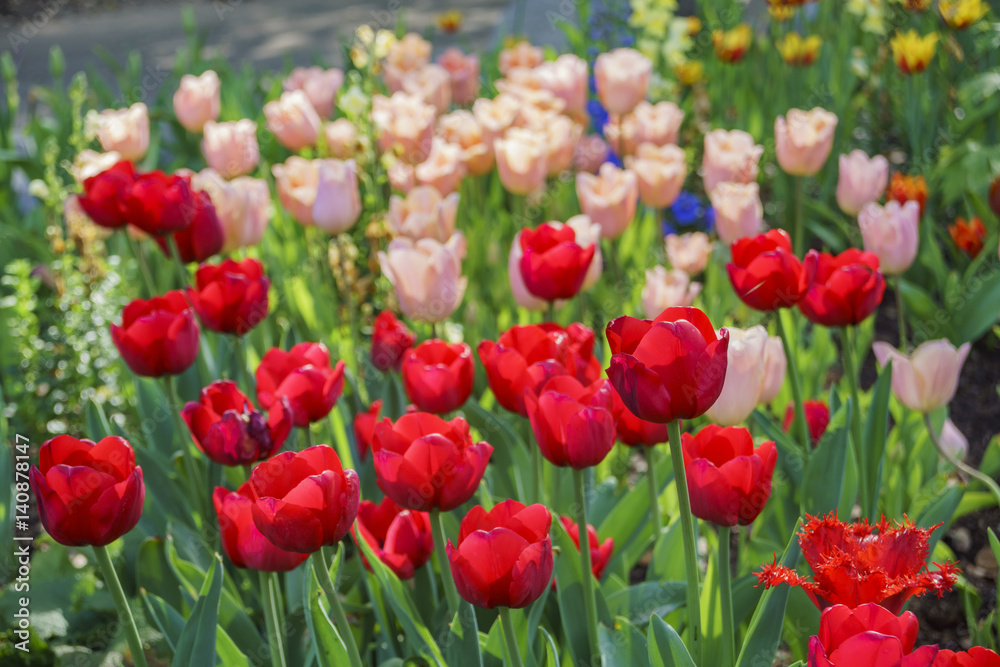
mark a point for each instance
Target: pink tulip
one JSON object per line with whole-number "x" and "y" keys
{"x": 464, "y": 73}
{"x": 521, "y": 160}
{"x": 495, "y": 116}
{"x": 125, "y": 131}
{"x": 293, "y": 120}
{"x": 744, "y": 376}
{"x": 661, "y": 172}
{"x": 423, "y": 213}
{"x": 587, "y": 233}
{"x": 406, "y": 126}
{"x": 243, "y": 206}
{"x": 443, "y": 169}
{"x": 562, "y": 136}
{"x": 689, "y": 252}
{"x": 522, "y": 54}
{"x": 775, "y": 367}
{"x": 197, "y": 100}
{"x": 862, "y": 181}
{"x": 926, "y": 379}
{"x": 405, "y": 56}
{"x": 609, "y": 198}
{"x": 401, "y": 176}
{"x": 89, "y": 163}
{"x": 667, "y": 289}
{"x": 591, "y": 152}
{"x": 461, "y": 128}
{"x": 953, "y": 440}
{"x": 231, "y": 148}
{"x": 622, "y": 78}
{"x": 297, "y": 181}
{"x": 427, "y": 275}
{"x": 730, "y": 156}
{"x": 319, "y": 85}
{"x": 738, "y": 210}
{"x": 430, "y": 83}
{"x": 803, "y": 139}
{"x": 566, "y": 78}
{"x": 658, "y": 124}
{"x": 525, "y": 85}
{"x": 342, "y": 139}
{"x": 891, "y": 232}
{"x": 338, "y": 203}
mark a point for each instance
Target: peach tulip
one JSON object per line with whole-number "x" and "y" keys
{"x": 423, "y": 213}
{"x": 461, "y": 128}
{"x": 891, "y": 232}
{"x": 591, "y": 152}
{"x": 667, "y": 288}
{"x": 197, "y": 100}
{"x": 495, "y": 116}
{"x": 622, "y": 78}
{"x": 730, "y": 156}
{"x": 231, "y": 148}
{"x": 293, "y": 120}
{"x": 522, "y": 54}
{"x": 401, "y": 176}
{"x": 689, "y": 252}
{"x": 566, "y": 78}
{"x": 525, "y": 85}
{"x": 521, "y": 160}
{"x": 342, "y": 139}
{"x": 297, "y": 181}
{"x": 89, "y": 163}
{"x": 562, "y": 136}
{"x": 406, "y": 126}
{"x": 319, "y": 85}
{"x": 862, "y": 180}
{"x": 803, "y": 139}
{"x": 243, "y": 205}
{"x": 427, "y": 275}
{"x": 403, "y": 57}
{"x": 463, "y": 71}
{"x": 432, "y": 84}
{"x": 443, "y": 169}
{"x": 125, "y": 131}
{"x": 658, "y": 124}
{"x": 738, "y": 210}
{"x": 926, "y": 379}
{"x": 775, "y": 368}
{"x": 744, "y": 377}
{"x": 338, "y": 202}
{"x": 660, "y": 171}
{"x": 609, "y": 198}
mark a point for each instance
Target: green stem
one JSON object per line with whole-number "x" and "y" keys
{"x": 353, "y": 323}
{"x": 538, "y": 473}
{"x": 182, "y": 273}
{"x": 509, "y": 638}
{"x": 309, "y": 435}
{"x": 141, "y": 261}
{"x": 589, "y": 599}
{"x": 339, "y": 617}
{"x": 901, "y": 316}
{"x": 121, "y": 603}
{"x": 726, "y": 593}
{"x": 798, "y": 240}
{"x": 851, "y": 371}
{"x": 654, "y": 492}
{"x": 799, "y": 423}
{"x": 190, "y": 454}
{"x": 244, "y": 364}
{"x": 961, "y": 465}
{"x": 550, "y": 311}
{"x": 275, "y": 638}
{"x": 690, "y": 548}
{"x": 440, "y": 551}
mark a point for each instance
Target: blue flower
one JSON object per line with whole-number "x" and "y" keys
{"x": 687, "y": 209}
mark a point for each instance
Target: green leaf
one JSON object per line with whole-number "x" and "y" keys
{"x": 876, "y": 431}
{"x": 164, "y": 617}
{"x": 665, "y": 645}
{"x": 824, "y": 477}
{"x": 980, "y": 303}
{"x": 463, "y": 640}
{"x": 569, "y": 595}
{"x": 153, "y": 572}
{"x": 658, "y": 597}
{"x": 551, "y": 651}
{"x": 790, "y": 456}
{"x": 940, "y": 511}
{"x": 196, "y": 645}
{"x": 623, "y": 645}
{"x": 330, "y": 648}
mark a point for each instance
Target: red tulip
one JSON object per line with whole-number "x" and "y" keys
{"x": 437, "y": 376}
{"x": 857, "y": 563}
{"x": 87, "y": 494}
{"x": 634, "y": 431}
{"x": 817, "y": 418}
{"x": 868, "y": 635}
{"x": 669, "y": 368}
{"x": 728, "y": 480}
{"x": 102, "y": 197}
{"x": 390, "y": 341}
{"x": 303, "y": 376}
{"x": 401, "y": 539}
{"x": 977, "y": 656}
{"x": 242, "y": 542}
{"x": 159, "y": 204}
{"x": 525, "y": 357}
{"x": 423, "y": 462}
{"x": 230, "y": 297}
{"x": 847, "y": 289}
{"x": 553, "y": 264}
{"x": 229, "y": 430}
{"x": 304, "y": 500}
{"x": 573, "y": 424}
{"x": 503, "y": 557}
{"x": 157, "y": 337}
{"x": 364, "y": 427}
{"x": 202, "y": 238}
{"x": 600, "y": 552}
{"x": 765, "y": 273}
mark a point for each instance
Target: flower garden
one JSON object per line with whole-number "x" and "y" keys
{"x": 338, "y": 366}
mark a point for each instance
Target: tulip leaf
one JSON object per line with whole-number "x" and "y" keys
{"x": 658, "y": 597}
{"x": 330, "y": 649}
{"x": 629, "y": 518}
{"x": 154, "y": 574}
{"x": 551, "y": 651}
{"x": 164, "y": 617}
{"x": 876, "y": 431}
{"x": 623, "y": 645}
{"x": 534, "y": 622}
{"x": 463, "y": 639}
{"x": 569, "y": 595}
{"x": 760, "y": 644}
{"x": 980, "y": 299}
{"x": 939, "y": 510}
{"x": 665, "y": 646}
{"x": 789, "y": 452}
{"x": 196, "y": 644}
{"x": 417, "y": 635}
{"x": 824, "y": 478}
{"x": 711, "y": 606}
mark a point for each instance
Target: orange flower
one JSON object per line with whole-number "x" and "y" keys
{"x": 732, "y": 45}
{"x": 904, "y": 188}
{"x": 449, "y": 21}
{"x": 968, "y": 236}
